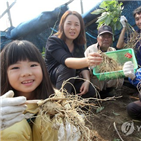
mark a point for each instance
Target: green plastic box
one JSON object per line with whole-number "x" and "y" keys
{"x": 119, "y": 56}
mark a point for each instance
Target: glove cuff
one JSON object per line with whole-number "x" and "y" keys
{"x": 124, "y": 25}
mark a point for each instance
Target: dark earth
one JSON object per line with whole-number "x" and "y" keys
{"x": 112, "y": 123}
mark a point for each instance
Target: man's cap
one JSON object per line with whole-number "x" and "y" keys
{"x": 105, "y": 29}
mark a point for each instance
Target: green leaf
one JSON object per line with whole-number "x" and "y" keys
{"x": 103, "y": 4}
{"x": 43, "y": 49}
{"x": 111, "y": 14}
{"x": 100, "y": 24}
{"x": 118, "y": 25}
{"x": 108, "y": 20}
{"x": 43, "y": 54}
{"x": 101, "y": 18}
{"x": 99, "y": 109}
{"x": 97, "y": 11}
{"x": 115, "y": 20}
{"x": 115, "y": 27}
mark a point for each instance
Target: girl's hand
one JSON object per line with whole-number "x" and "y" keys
{"x": 11, "y": 109}
{"x": 84, "y": 88}
{"x": 94, "y": 59}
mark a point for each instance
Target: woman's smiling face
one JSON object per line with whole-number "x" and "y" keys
{"x": 72, "y": 27}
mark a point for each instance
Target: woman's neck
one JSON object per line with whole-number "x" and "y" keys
{"x": 70, "y": 45}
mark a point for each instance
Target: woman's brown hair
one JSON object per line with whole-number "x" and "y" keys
{"x": 80, "y": 40}
{"x": 20, "y": 51}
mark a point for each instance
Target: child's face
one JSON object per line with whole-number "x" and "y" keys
{"x": 25, "y": 77}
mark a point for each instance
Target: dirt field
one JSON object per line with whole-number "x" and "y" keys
{"x": 112, "y": 123}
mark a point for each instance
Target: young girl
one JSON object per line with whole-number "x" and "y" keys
{"x": 65, "y": 55}
{"x": 24, "y": 72}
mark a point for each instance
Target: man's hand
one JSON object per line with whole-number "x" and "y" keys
{"x": 123, "y": 21}
{"x": 11, "y": 109}
{"x": 128, "y": 69}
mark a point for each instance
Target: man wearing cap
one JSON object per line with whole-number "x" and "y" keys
{"x": 104, "y": 42}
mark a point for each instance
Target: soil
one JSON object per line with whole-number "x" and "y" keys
{"x": 113, "y": 123}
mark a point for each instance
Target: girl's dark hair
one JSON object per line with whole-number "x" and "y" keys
{"x": 20, "y": 51}
{"x": 80, "y": 40}
{"x": 137, "y": 11}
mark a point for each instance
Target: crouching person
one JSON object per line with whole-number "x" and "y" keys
{"x": 133, "y": 108}
{"x": 104, "y": 42}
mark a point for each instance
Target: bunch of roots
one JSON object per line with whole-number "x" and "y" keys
{"x": 63, "y": 107}
{"x": 132, "y": 40}
{"x": 109, "y": 64}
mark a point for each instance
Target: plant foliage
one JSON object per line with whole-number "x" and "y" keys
{"x": 110, "y": 12}
{"x": 43, "y": 52}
